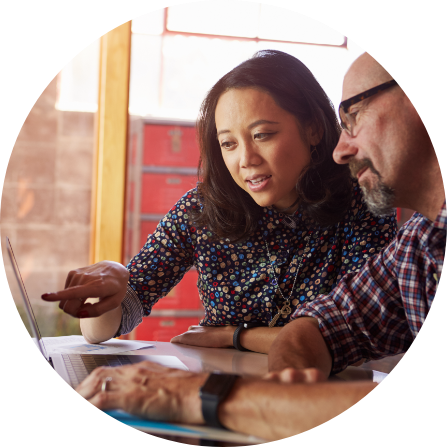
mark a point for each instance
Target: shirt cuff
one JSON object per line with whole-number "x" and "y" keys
{"x": 335, "y": 331}
{"x": 132, "y": 312}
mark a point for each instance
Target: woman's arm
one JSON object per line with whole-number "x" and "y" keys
{"x": 102, "y": 328}
{"x": 108, "y": 295}
{"x": 257, "y": 339}
{"x": 94, "y": 294}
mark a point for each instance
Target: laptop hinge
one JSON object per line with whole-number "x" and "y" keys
{"x": 50, "y": 361}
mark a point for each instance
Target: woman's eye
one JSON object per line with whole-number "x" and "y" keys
{"x": 226, "y": 144}
{"x": 261, "y": 135}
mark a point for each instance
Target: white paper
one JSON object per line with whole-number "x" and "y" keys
{"x": 194, "y": 431}
{"x": 76, "y": 344}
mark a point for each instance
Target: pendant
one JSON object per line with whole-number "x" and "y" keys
{"x": 285, "y": 310}
{"x": 289, "y": 221}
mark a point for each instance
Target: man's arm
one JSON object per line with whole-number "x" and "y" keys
{"x": 300, "y": 345}
{"x": 276, "y": 410}
{"x": 268, "y": 409}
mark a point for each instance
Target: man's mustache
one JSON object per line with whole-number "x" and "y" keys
{"x": 355, "y": 166}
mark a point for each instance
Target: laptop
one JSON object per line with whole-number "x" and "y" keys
{"x": 74, "y": 368}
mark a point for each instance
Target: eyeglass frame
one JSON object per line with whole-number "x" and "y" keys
{"x": 347, "y": 103}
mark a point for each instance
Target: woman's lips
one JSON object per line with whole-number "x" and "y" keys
{"x": 258, "y": 183}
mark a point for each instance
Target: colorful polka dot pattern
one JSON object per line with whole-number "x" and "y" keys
{"x": 234, "y": 284}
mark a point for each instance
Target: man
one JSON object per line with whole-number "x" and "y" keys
{"x": 375, "y": 313}
{"x": 379, "y": 311}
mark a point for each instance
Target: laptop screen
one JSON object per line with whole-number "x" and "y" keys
{"x": 26, "y": 302}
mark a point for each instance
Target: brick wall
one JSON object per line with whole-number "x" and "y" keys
{"x": 45, "y": 208}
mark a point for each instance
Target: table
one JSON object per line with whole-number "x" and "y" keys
{"x": 200, "y": 359}
{"x": 246, "y": 363}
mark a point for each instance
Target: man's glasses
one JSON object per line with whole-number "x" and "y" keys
{"x": 348, "y": 119}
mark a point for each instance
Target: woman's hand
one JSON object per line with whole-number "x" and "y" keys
{"x": 106, "y": 280}
{"x": 207, "y": 336}
{"x": 147, "y": 390}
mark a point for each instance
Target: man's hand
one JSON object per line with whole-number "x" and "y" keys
{"x": 147, "y": 390}
{"x": 105, "y": 280}
{"x": 291, "y": 375}
{"x": 207, "y": 336}
{"x": 300, "y": 345}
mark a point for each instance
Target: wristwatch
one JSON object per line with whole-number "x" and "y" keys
{"x": 213, "y": 392}
{"x": 237, "y": 335}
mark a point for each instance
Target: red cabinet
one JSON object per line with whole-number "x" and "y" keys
{"x": 170, "y": 145}
{"x": 160, "y": 192}
{"x": 162, "y": 167}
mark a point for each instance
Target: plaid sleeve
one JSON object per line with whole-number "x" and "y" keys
{"x": 363, "y": 317}
{"x": 380, "y": 310}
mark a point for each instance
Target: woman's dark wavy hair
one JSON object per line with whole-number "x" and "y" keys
{"x": 324, "y": 187}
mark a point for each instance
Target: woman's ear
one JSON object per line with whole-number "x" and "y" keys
{"x": 314, "y": 133}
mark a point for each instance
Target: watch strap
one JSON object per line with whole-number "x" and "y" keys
{"x": 237, "y": 335}
{"x": 236, "y": 338}
{"x": 213, "y": 392}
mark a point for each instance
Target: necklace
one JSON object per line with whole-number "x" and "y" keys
{"x": 286, "y": 309}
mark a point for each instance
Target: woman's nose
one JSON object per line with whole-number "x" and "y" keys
{"x": 249, "y": 155}
{"x": 345, "y": 149}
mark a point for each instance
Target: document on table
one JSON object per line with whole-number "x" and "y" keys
{"x": 76, "y": 344}
{"x": 194, "y": 431}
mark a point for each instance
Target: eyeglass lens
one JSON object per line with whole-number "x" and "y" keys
{"x": 346, "y": 121}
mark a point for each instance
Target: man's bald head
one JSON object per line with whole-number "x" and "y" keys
{"x": 390, "y": 153}
{"x": 364, "y": 73}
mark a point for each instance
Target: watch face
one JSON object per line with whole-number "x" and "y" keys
{"x": 213, "y": 384}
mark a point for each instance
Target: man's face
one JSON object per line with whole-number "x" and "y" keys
{"x": 385, "y": 152}
{"x": 379, "y": 197}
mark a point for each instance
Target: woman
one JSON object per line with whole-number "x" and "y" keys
{"x": 273, "y": 222}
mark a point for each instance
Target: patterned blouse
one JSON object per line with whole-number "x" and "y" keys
{"x": 236, "y": 281}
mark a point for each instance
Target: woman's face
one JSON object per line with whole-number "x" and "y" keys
{"x": 262, "y": 145}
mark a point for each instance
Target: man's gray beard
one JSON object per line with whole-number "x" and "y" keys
{"x": 379, "y": 199}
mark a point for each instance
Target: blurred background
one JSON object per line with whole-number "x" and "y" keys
{"x": 176, "y": 55}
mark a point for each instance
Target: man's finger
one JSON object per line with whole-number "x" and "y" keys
{"x": 291, "y": 375}
{"x": 106, "y": 400}
{"x": 93, "y": 383}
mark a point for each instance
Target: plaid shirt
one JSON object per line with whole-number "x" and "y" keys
{"x": 379, "y": 311}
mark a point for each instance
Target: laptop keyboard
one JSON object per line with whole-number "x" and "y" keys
{"x": 79, "y": 366}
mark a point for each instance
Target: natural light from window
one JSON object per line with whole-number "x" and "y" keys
{"x": 252, "y": 20}
{"x": 179, "y": 53}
